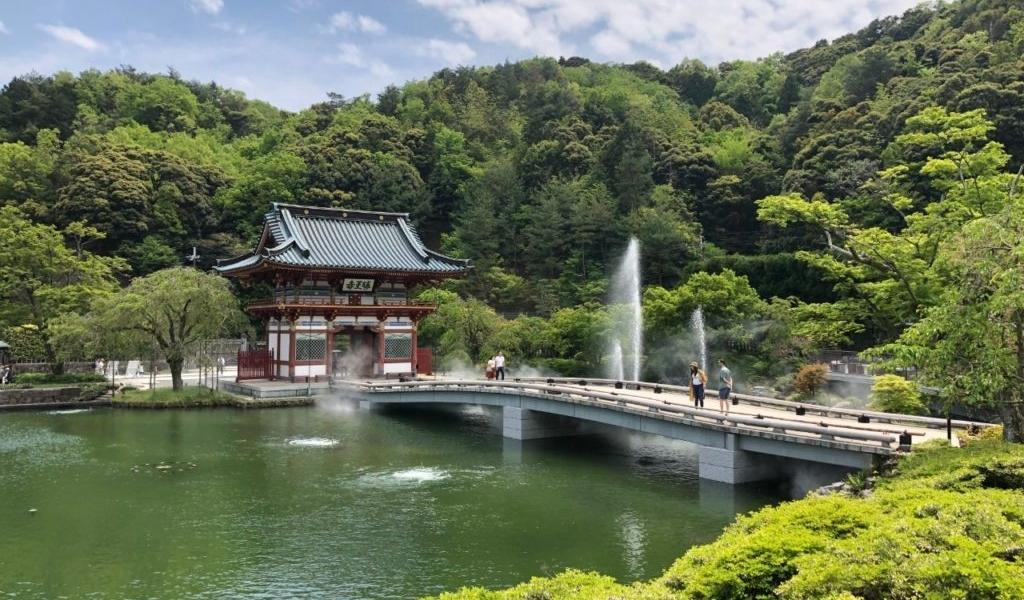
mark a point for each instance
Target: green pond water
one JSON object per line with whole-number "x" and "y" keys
{"x": 332, "y": 502}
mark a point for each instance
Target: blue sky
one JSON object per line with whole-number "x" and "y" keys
{"x": 292, "y": 52}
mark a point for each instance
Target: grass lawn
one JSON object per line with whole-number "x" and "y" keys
{"x": 168, "y": 398}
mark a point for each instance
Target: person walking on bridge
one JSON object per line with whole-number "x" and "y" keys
{"x": 724, "y": 386}
{"x": 698, "y": 378}
{"x": 499, "y": 366}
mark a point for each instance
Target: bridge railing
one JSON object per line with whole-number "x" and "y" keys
{"x": 795, "y": 407}
{"x": 623, "y": 401}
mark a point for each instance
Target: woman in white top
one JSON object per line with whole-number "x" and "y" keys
{"x": 490, "y": 369}
{"x": 697, "y": 380}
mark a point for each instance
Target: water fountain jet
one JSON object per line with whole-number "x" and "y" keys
{"x": 627, "y": 314}
{"x": 697, "y": 324}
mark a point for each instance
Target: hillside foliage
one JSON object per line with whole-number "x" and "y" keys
{"x": 833, "y": 196}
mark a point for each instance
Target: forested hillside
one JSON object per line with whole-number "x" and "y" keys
{"x": 539, "y": 171}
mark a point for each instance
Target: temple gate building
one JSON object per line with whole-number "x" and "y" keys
{"x": 341, "y": 280}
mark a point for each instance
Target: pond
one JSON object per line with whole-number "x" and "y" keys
{"x": 334, "y": 502}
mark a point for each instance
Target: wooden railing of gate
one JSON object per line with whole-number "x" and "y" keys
{"x": 255, "y": 364}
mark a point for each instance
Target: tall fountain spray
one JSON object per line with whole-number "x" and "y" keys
{"x": 616, "y": 368}
{"x": 626, "y": 341}
{"x": 697, "y": 325}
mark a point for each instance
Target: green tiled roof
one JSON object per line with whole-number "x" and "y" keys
{"x": 336, "y": 238}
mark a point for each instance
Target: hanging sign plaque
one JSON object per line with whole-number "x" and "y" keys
{"x": 357, "y": 285}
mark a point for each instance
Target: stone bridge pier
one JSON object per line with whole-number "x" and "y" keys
{"x": 525, "y": 424}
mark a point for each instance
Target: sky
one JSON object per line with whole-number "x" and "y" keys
{"x": 291, "y": 53}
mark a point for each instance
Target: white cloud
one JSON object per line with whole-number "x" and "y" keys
{"x": 210, "y": 7}
{"x": 3, "y": 28}
{"x": 301, "y": 5}
{"x": 350, "y": 54}
{"x": 661, "y": 31}
{"x": 228, "y": 27}
{"x": 70, "y": 35}
{"x": 452, "y": 53}
{"x": 370, "y": 25}
{"x": 346, "y": 21}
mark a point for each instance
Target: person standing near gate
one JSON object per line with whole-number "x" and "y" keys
{"x": 724, "y": 386}
{"x": 697, "y": 380}
{"x": 499, "y": 366}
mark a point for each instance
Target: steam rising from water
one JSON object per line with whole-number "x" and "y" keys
{"x": 625, "y": 345}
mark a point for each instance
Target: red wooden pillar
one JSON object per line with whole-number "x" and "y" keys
{"x": 414, "y": 359}
{"x": 277, "y": 356}
{"x": 380, "y": 344}
{"x": 329, "y": 359}
{"x": 291, "y": 349}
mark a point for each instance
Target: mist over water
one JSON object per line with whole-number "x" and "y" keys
{"x": 625, "y": 344}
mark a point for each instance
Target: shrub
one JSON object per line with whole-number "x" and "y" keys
{"x": 894, "y": 394}
{"x": 92, "y": 391}
{"x": 27, "y": 344}
{"x": 976, "y": 434}
{"x": 51, "y": 378}
{"x": 810, "y": 378}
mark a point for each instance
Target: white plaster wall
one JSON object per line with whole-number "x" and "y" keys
{"x": 310, "y": 370}
{"x": 282, "y": 370}
{"x": 397, "y": 367}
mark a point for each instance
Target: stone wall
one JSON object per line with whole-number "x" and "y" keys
{"x": 55, "y": 395}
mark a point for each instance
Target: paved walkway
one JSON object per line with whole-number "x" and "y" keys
{"x": 711, "y": 405}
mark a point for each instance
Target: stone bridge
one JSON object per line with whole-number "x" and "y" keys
{"x": 760, "y": 438}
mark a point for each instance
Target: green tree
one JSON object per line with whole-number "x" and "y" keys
{"x": 971, "y": 342}
{"x": 173, "y": 309}
{"x": 42, "y": 278}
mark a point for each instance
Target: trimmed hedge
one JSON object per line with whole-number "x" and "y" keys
{"x": 51, "y": 378}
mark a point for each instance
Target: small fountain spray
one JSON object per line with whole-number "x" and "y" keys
{"x": 697, "y": 325}
{"x": 627, "y": 334}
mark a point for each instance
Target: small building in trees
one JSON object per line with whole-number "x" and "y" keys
{"x": 341, "y": 281}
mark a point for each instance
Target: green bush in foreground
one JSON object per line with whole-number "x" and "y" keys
{"x": 947, "y": 523}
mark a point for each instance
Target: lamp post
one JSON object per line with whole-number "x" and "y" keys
{"x": 193, "y": 258}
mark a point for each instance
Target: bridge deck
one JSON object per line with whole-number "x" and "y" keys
{"x": 851, "y": 429}
{"x": 712, "y": 403}
{"x": 759, "y": 438}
